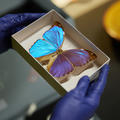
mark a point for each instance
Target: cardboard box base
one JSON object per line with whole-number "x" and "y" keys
{"x": 73, "y": 39}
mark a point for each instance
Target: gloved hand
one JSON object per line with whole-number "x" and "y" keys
{"x": 82, "y": 102}
{"x": 12, "y": 23}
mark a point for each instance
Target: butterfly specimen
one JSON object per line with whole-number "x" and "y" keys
{"x": 61, "y": 62}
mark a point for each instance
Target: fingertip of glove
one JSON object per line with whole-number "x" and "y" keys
{"x": 33, "y": 14}
{"x": 85, "y": 79}
{"x": 82, "y": 85}
{"x": 106, "y": 67}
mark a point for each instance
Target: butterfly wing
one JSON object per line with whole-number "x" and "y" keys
{"x": 79, "y": 57}
{"x": 53, "y": 39}
{"x": 41, "y": 48}
{"x": 64, "y": 63}
{"x": 60, "y": 67}
{"x": 54, "y": 36}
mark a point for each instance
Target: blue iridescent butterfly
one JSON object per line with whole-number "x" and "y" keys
{"x": 65, "y": 61}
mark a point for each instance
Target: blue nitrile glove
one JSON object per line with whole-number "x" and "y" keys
{"x": 82, "y": 102}
{"x": 12, "y": 23}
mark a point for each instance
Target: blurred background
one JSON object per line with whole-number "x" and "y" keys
{"x": 24, "y": 95}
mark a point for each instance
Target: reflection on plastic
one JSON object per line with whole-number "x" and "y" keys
{"x": 33, "y": 76}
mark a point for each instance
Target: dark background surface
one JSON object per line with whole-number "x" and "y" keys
{"x": 90, "y": 25}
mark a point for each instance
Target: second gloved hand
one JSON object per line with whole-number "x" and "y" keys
{"x": 82, "y": 102}
{"x": 11, "y": 23}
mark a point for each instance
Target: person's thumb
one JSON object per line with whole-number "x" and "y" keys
{"x": 82, "y": 86}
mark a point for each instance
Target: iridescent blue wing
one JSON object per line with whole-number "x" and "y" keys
{"x": 41, "y": 48}
{"x": 54, "y": 36}
{"x": 53, "y": 39}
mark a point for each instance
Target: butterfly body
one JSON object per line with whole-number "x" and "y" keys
{"x": 59, "y": 51}
{"x": 61, "y": 62}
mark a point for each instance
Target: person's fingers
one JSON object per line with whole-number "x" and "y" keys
{"x": 10, "y": 21}
{"x": 82, "y": 86}
{"x": 26, "y": 18}
{"x": 100, "y": 84}
{"x": 18, "y": 29}
{"x": 5, "y": 43}
{"x": 96, "y": 89}
{"x": 91, "y": 86}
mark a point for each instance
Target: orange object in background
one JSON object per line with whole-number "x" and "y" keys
{"x": 111, "y": 20}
